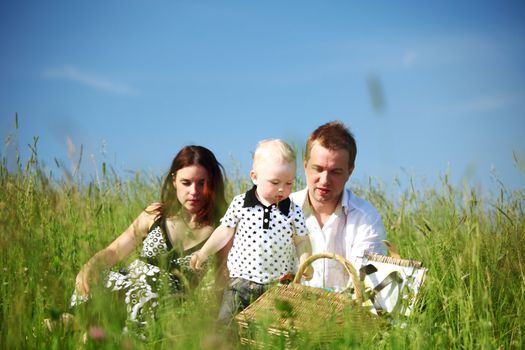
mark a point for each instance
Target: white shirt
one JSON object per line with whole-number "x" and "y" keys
{"x": 263, "y": 248}
{"x": 354, "y": 227}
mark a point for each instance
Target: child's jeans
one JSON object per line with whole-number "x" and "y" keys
{"x": 237, "y": 296}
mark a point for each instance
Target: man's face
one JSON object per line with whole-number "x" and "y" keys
{"x": 326, "y": 174}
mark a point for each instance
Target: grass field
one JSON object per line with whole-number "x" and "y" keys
{"x": 473, "y": 247}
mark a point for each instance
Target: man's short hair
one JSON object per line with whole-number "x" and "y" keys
{"x": 333, "y": 135}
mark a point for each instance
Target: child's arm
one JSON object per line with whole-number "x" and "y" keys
{"x": 217, "y": 240}
{"x": 304, "y": 250}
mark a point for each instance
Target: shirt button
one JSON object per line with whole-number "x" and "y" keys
{"x": 266, "y": 210}
{"x": 265, "y": 220}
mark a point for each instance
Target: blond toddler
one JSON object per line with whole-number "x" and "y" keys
{"x": 268, "y": 230}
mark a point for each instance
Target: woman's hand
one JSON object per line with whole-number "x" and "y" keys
{"x": 82, "y": 283}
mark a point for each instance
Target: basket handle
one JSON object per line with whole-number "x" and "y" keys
{"x": 347, "y": 265}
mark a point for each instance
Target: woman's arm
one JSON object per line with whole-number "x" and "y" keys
{"x": 113, "y": 253}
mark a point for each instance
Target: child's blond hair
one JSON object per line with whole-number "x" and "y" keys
{"x": 275, "y": 150}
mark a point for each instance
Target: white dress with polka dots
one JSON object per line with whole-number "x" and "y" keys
{"x": 161, "y": 266}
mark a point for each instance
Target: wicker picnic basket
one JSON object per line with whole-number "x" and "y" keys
{"x": 295, "y": 310}
{"x": 391, "y": 283}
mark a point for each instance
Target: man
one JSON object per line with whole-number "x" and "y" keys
{"x": 338, "y": 221}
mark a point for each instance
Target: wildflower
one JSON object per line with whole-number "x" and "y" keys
{"x": 96, "y": 333}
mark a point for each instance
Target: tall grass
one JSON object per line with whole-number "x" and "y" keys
{"x": 473, "y": 297}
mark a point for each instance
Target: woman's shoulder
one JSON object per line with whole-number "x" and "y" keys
{"x": 149, "y": 216}
{"x": 154, "y": 208}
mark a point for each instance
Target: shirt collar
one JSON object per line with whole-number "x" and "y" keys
{"x": 344, "y": 205}
{"x": 251, "y": 200}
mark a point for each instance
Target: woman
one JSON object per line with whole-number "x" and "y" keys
{"x": 192, "y": 199}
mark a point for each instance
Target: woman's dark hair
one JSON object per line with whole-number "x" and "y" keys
{"x": 214, "y": 201}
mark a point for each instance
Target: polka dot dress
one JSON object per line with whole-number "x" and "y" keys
{"x": 144, "y": 277}
{"x": 263, "y": 248}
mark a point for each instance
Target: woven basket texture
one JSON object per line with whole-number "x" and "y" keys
{"x": 296, "y": 310}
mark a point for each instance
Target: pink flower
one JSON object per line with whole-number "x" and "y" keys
{"x": 96, "y": 333}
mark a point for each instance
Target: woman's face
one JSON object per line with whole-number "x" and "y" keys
{"x": 189, "y": 183}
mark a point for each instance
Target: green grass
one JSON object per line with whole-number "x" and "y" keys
{"x": 473, "y": 247}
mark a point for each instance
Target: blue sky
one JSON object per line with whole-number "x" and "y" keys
{"x": 426, "y": 88}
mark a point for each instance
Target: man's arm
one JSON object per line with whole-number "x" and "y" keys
{"x": 368, "y": 238}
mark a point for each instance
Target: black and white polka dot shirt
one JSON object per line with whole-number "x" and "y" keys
{"x": 263, "y": 248}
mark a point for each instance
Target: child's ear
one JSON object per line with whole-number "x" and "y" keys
{"x": 253, "y": 176}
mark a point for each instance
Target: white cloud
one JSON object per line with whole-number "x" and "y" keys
{"x": 486, "y": 103}
{"x": 409, "y": 57}
{"x": 87, "y": 79}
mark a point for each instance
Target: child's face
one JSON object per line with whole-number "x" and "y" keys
{"x": 274, "y": 181}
